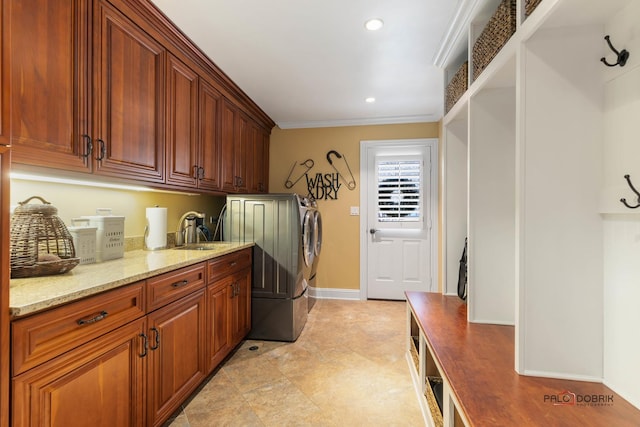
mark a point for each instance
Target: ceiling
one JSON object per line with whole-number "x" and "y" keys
{"x": 311, "y": 63}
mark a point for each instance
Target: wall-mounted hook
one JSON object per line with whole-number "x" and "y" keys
{"x": 624, "y": 201}
{"x": 622, "y": 56}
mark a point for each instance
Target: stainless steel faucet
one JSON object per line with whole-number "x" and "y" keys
{"x": 187, "y": 231}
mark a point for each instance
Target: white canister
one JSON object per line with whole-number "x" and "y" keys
{"x": 155, "y": 235}
{"x": 84, "y": 240}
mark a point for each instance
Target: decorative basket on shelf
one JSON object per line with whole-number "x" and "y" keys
{"x": 457, "y": 86}
{"x": 530, "y": 5}
{"x": 494, "y": 36}
{"x": 40, "y": 244}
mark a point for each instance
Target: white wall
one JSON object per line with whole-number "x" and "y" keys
{"x": 455, "y": 224}
{"x": 622, "y": 225}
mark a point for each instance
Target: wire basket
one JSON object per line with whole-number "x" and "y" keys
{"x": 40, "y": 243}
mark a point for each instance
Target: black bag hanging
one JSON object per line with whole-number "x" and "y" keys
{"x": 462, "y": 273}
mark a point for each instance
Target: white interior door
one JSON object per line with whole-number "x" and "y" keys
{"x": 399, "y": 213}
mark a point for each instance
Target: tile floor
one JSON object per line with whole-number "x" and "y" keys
{"x": 347, "y": 368}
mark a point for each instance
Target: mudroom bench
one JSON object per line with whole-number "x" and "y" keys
{"x": 464, "y": 375}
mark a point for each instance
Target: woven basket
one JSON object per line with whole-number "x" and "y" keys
{"x": 497, "y": 32}
{"x": 457, "y": 86}
{"x": 41, "y": 245}
{"x": 530, "y": 5}
{"x": 436, "y": 414}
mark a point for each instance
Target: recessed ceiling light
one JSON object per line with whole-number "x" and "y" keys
{"x": 373, "y": 24}
{"x": 370, "y": 100}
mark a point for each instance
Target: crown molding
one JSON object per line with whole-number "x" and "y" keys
{"x": 457, "y": 29}
{"x": 427, "y": 118}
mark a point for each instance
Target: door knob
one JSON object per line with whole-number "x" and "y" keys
{"x": 372, "y": 231}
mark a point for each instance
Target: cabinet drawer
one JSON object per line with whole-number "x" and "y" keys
{"x": 228, "y": 264}
{"x": 40, "y": 337}
{"x": 168, "y": 287}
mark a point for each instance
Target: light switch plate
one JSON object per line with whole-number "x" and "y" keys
{"x": 355, "y": 210}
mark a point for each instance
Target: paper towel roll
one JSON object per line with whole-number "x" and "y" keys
{"x": 156, "y": 234}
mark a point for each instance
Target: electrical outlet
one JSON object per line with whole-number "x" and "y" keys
{"x": 355, "y": 211}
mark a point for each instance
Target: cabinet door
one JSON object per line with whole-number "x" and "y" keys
{"x": 182, "y": 114}
{"x": 210, "y": 107}
{"x": 5, "y": 67}
{"x": 129, "y": 72}
{"x": 177, "y": 357}
{"x": 230, "y": 134}
{"x": 4, "y": 285}
{"x": 218, "y": 325}
{"x": 97, "y": 384}
{"x": 241, "y": 306}
{"x": 258, "y": 171}
{"x": 49, "y": 55}
{"x": 243, "y": 155}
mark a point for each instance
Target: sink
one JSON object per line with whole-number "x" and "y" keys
{"x": 204, "y": 246}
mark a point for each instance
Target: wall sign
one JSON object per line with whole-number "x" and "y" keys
{"x": 322, "y": 185}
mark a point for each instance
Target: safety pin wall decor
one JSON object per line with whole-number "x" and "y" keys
{"x": 348, "y": 179}
{"x": 624, "y": 201}
{"x": 308, "y": 164}
{"x": 623, "y": 55}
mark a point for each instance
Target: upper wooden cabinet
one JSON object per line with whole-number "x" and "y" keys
{"x": 56, "y": 120}
{"x": 49, "y": 72}
{"x": 259, "y": 155}
{"x": 210, "y": 159}
{"x": 129, "y": 103}
{"x": 245, "y": 152}
{"x": 230, "y": 134}
{"x": 193, "y": 129}
{"x": 112, "y": 88}
{"x": 182, "y": 133}
{"x": 4, "y": 80}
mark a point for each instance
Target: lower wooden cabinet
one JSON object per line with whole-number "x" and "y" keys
{"x": 176, "y": 349}
{"x": 240, "y": 305}
{"x": 100, "y": 383}
{"x": 218, "y": 331}
{"x": 228, "y": 304}
{"x": 106, "y": 361}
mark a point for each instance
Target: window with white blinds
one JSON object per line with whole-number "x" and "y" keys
{"x": 400, "y": 189}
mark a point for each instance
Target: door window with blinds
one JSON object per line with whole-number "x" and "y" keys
{"x": 400, "y": 192}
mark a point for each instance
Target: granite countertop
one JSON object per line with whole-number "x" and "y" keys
{"x": 29, "y": 295}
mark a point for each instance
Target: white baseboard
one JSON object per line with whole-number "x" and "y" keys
{"x": 331, "y": 293}
{"x": 562, "y": 376}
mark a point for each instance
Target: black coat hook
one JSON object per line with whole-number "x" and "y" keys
{"x": 624, "y": 201}
{"x": 622, "y": 56}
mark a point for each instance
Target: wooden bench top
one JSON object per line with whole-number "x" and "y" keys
{"x": 478, "y": 362}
